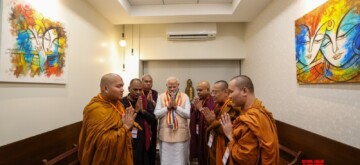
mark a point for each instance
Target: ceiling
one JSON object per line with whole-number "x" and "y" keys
{"x": 171, "y": 2}
{"x": 178, "y": 11}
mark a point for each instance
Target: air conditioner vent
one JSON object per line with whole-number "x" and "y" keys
{"x": 191, "y": 31}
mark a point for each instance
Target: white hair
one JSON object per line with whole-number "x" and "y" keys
{"x": 146, "y": 75}
{"x": 172, "y": 78}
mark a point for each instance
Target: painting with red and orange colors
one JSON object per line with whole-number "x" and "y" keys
{"x": 328, "y": 43}
{"x": 33, "y": 45}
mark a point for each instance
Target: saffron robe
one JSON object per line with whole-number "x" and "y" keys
{"x": 103, "y": 137}
{"x": 198, "y": 142}
{"x": 140, "y": 151}
{"x": 255, "y": 139}
{"x": 220, "y": 141}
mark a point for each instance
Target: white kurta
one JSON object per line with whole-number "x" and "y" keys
{"x": 176, "y": 153}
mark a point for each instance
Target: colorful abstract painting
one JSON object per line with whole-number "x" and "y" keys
{"x": 32, "y": 45}
{"x": 328, "y": 43}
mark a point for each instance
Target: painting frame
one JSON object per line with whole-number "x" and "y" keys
{"x": 327, "y": 42}
{"x": 33, "y": 44}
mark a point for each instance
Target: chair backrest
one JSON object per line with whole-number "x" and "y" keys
{"x": 67, "y": 154}
{"x": 296, "y": 156}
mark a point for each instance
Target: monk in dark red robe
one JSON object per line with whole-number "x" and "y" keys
{"x": 198, "y": 125}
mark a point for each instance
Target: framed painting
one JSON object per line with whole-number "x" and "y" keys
{"x": 33, "y": 44}
{"x": 328, "y": 43}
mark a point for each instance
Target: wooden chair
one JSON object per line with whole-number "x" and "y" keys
{"x": 289, "y": 156}
{"x": 69, "y": 154}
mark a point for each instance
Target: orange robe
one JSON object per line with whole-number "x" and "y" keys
{"x": 103, "y": 138}
{"x": 255, "y": 139}
{"x": 218, "y": 147}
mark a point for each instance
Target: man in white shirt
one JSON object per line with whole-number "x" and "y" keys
{"x": 173, "y": 110}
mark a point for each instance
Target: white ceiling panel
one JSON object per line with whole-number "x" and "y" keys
{"x": 136, "y": 12}
{"x": 145, "y": 2}
{"x": 172, "y": 2}
{"x": 214, "y": 1}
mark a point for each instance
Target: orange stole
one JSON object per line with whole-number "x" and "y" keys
{"x": 171, "y": 117}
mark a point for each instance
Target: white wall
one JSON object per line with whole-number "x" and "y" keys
{"x": 151, "y": 46}
{"x": 331, "y": 110}
{"x": 131, "y": 58}
{"x": 30, "y": 109}
{"x": 229, "y": 44}
{"x": 196, "y": 70}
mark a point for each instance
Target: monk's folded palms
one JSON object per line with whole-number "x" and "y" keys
{"x": 226, "y": 125}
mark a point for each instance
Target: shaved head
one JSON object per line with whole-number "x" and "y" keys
{"x": 243, "y": 81}
{"x": 205, "y": 84}
{"x": 111, "y": 86}
{"x": 203, "y": 89}
{"x": 220, "y": 91}
{"x": 106, "y": 79}
{"x": 222, "y": 84}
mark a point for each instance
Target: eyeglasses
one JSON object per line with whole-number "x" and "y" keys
{"x": 215, "y": 92}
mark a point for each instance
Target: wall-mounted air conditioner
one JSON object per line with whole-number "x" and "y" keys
{"x": 191, "y": 31}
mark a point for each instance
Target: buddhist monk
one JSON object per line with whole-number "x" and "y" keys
{"x": 173, "y": 110}
{"x": 151, "y": 96}
{"x": 217, "y": 140}
{"x": 105, "y": 136}
{"x": 145, "y": 119}
{"x": 198, "y": 143}
{"x": 253, "y": 135}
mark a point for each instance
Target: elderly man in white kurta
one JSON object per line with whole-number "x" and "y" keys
{"x": 173, "y": 110}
